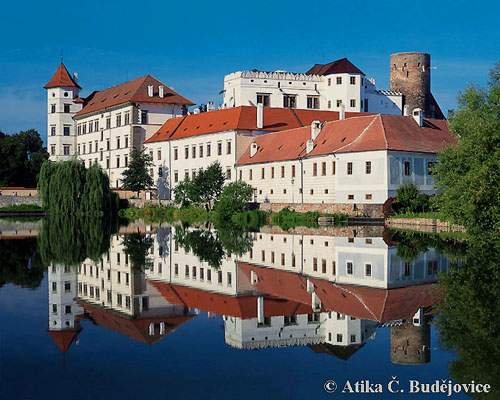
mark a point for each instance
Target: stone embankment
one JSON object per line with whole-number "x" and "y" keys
{"x": 423, "y": 225}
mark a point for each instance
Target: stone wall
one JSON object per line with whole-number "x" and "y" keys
{"x": 337, "y": 231}
{"x": 353, "y": 210}
{"x": 8, "y": 200}
{"x": 423, "y": 225}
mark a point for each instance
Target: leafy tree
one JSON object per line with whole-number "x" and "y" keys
{"x": 233, "y": 200}
{"x": 137, "y": 246}
{"x": 21, "y": 157}
{"x": 469, "y": 174}
{"x": 209, "y": 184}
{"x": 136, "y": 177}
{"x": 21, "y": 263}
{"x": 468, "y": 317}
{"x": 203, "y": 190}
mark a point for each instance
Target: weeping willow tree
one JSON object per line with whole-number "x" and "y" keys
{"x": 67, "y": 187}
{"x": 81, "y": 212}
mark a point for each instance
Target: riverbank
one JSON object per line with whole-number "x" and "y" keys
{"x": 431, "y": 222}
{"x": 285, "y": 218}
{"x": 22, "y": 210}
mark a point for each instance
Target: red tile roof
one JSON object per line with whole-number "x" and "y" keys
{"x": 134, "y": 328}
{"x": 61, "y": 78}
{"x": 64, "y": 339}
{"x": 244, "y": 306}
{"x": 358, "y": 301}
{"x": 342, "y": 66}
{"x": 134, "y": 91}
{"x": 243, "y": 118}
{"x": 354, "y": 134}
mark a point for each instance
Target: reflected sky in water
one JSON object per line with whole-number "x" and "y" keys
{"x": 271, "y": 320}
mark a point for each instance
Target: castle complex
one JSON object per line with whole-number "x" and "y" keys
{"x": 325, "y": 137}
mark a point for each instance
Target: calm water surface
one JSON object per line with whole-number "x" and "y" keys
{"x": 182, "y": 313}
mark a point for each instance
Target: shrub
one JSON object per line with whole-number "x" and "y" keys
{"x": 409, "y": 199}
{"x": 233, "y": 200}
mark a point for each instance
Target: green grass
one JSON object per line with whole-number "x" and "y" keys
{"x": 189, "y": 215}
{"x": 21, "y": 208}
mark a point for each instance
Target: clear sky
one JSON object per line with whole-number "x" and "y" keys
{"x": 191, "y": 45}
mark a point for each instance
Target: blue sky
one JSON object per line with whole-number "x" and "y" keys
{"x": 191, "y": 45}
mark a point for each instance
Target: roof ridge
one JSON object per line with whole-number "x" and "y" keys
{"x": 296, "y": 116}
{"x": 178, "y": 125}
{"x": 360, "y": 135}
{"x": 384, "y": 133}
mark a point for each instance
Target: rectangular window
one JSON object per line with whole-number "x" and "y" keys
{"x": 323, "y": 168}
{"x": 282, "y": 171}
{"x": 67, "y": 108}
{"x": 262, "y": 173}
{"x": 228, "y": 147}
{"x": 368, "y": 196}
{"x": 158, "y": 153}
{"x": 126, "y": 142}
{"x": 144, "y": 117}
{"x": 289, "y": 101}
{"x": 313, "y": 102}
{"x": 250, "y": 174}
{"x": 66, "y": 130}
{"x": 272, "y": 172}
{"x": 352, "y": 80}
{"x": 264, "y": 99}
{"x": 315, "y": 169}
{"x": 407, "y": 168}
{"x": 127, "y": 118}
{"x": 176, "y": 153}
{"x": 329, "y": 81}
{"x": 108, "y": 122}
{"x": 118, "y": 142}
{"x": 228, "y": 173}
{"x": 323, "y": 266}
{"x": 333, "y": 167}
{"x": 349, "y": 168}
{"x": 176, "y": 176}
{"x": 52, "y": 130}
{"x": 186, "y": 152}
{"x": 368, "y": 269}
{"x": 349, "y": 268}
{"x": 219, "y": 148}
{"x": 368, "y": 167}
{"x": 293, "y": 171}
{"x": 339, "y": 103}
{"x": 118, "y": 120}
{"x": 430, "y": 165}
{"x": 200, "y": 151}
{"x": 339, "y": 80}
{"x": 208, "y": 150}
{"x": 352, "y": 103}
{"x": 315, "y": 264}
{"x": 118, "y": 162}
{"x": 193, "y": 151}
{"x": 66, "y": 150}
{"x": 52, "y": 108}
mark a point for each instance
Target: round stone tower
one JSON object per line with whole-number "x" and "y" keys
{"x": 411, "y": 75}
{"x": 410, "y": 345}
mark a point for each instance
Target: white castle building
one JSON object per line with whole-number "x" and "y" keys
{"x": 322, "y": 87}
{"x": 106, "y": 125}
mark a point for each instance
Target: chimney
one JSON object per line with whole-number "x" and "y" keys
{"x": 309, "y": 146}
{"x": 406, "y": 110}
{"x": 161, "y": 91}
{"x": 210, "y": 106}
{"x": 342, "y": 111}
{"x": 196, "y": 111}
{"x": 418, "y": 116}
{"x": 150, "y": 90}
{"x": 315, "y": 129}
{"x": 75, "y": 76}
{"x": 253, "y": 149}
{"x": 260, "y": 116}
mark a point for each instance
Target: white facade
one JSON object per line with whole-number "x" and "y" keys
{"x": 369, "y": 177}
{"x": 298, "y": 90}
{"x": 108, "y": 136}
{"x": 62, "y": 287}
{"x": 61, "y": 129}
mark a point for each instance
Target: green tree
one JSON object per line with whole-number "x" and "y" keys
{"x": 468, "y": 317}
{"x": 234, "y": 198}
{"x": 21, "y": 263}
{"x": 137, "y": 246}
{"x": 21, "y": 157}
{"x": 468, "y": 174}
{"x": 209, "y": 184}
{"x": 203, "y": 190}
{"x": 136, "y": 177}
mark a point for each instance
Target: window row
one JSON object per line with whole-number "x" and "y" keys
{"x": 204, "y": 150}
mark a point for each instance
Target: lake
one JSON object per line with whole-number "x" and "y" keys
{"x": 178, "y": 312}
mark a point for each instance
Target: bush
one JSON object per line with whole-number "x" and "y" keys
{"x": 409, "y": 199}
{"x": 287, "y": 219}
{"x": 233, "y": 200}
{"x": 253, "y": 219}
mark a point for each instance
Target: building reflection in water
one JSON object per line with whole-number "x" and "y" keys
{"x": 329, "y": 290}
